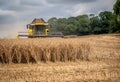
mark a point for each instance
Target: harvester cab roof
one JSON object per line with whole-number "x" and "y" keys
{"x": 38, "y": 21}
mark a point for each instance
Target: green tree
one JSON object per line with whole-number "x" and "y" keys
{"x": 70, "y": 29}
{"x": 83, "y": 26}
{"x": 61, "y": 24}
{"x": 53, "y": 22}
{"x": 71, "y": 25}
{"x": 105, "y": 18}
{"x": 115, "y": 23}
{"x": 95, "y": 25}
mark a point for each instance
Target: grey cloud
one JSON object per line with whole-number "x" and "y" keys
{"x": 7, "y": 19}
{"x": 7, "y": 29}
{"x": 5, "y": 3}
{"x": 10, "y": 4}
{"x": 30, "y": 3}
{"x": 19, "y": 5}
{"x": 94, "y": 8}
{"x": 69, "y": 1}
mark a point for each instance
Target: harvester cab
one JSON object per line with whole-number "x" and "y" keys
{"x": 39, "y": 28}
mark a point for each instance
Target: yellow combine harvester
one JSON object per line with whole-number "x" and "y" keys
{"x": 39, "y": 28}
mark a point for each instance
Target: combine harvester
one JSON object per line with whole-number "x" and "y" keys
{"x": 39, "y": 28}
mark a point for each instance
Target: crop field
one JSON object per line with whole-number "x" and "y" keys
{"x": 94, "y": 58}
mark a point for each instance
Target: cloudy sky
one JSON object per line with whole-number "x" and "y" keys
{"x": 15, "y": 14}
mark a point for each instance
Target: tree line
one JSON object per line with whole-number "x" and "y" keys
{"x": 104, "y": 22}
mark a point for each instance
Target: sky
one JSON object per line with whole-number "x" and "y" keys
{"x": 16, "y": 14}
